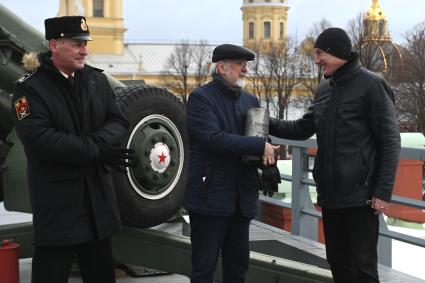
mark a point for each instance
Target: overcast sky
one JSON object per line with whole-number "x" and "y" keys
{"x": 220, "y": 21}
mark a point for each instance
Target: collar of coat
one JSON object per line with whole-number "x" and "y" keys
{"x": 347, "y": 70}
{"x": 224, "y": 86}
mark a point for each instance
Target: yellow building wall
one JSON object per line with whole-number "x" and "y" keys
{"x": 258, "y": 15}
{"x": 107, "y": 32}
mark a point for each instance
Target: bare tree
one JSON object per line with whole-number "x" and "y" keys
{"x": 318, "y": 28}
{"x": 256, "y": 87}
{"x": 201, "y": 55}
{"x": 265, "y": 76}
{"x": 378, "y": 54}
{"x": 366, "y": 47}
{"x": 284, "y": 64}
{"x": 410, "y": 84}
{"x": 355, "y": 30}
{"x": 310, "y": 73}
{"x": 176, "y": 75}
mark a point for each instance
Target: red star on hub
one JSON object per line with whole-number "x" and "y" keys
{"x": 162, "y": 157}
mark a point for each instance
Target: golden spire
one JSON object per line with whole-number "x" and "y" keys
{"x": 375, "y": 13}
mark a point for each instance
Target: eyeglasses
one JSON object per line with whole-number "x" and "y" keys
{"x": 239, "y": 63}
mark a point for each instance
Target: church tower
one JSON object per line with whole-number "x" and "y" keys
{"x": 376, "y": 49}
{"x": 375, "y": 24}
{"x": 105, "y": 20}
{"x": 264, "y": 24}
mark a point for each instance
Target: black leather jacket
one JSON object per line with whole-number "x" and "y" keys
{"x": 358, "y": 139}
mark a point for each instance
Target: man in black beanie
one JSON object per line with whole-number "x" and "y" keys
{"x": 358, "y": 142}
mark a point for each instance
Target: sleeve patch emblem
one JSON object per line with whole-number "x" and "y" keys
{"x": 22, "y": 108}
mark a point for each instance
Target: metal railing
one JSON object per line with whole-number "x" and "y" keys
{"x": 304, "y": 215}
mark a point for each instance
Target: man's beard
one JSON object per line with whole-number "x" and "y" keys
{"x": 240, "y": 83}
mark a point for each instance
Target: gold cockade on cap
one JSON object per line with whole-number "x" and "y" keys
{"x": 83, "y": 25}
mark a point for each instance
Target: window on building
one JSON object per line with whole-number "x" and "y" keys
{"x": 251, "y": 30}
{"x": 367, "y": 28}
{"x": 267, "y": 1}
{"x": 267, "y": 30}
{"x": 281, "y": 31}
{"x": 381, "y": 27}
{"x": 98, "y": 8}
{"x": 251, "y": 1}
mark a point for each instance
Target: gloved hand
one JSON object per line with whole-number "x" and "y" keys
{"x": 270, "y": 180}
{"x": 117, "y": 157}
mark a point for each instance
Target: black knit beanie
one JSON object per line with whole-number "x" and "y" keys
{"x": 334, "y": 41}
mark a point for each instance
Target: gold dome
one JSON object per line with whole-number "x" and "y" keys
{"x": 375, "y": 13}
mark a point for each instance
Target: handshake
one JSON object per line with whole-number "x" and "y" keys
{"x": 117, "y": 158}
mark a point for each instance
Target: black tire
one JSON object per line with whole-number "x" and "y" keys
{"x": 152, "y": 193}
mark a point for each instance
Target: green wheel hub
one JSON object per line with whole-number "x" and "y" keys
{"x": 159, "y": 147}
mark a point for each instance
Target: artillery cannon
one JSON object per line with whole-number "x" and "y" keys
{"x": 147, "y": 195}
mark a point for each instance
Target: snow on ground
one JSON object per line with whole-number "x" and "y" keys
{"x": 408, "y": 258}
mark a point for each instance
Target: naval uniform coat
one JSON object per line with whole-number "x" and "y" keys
{"x": 71, "y": 193}
{"x": 218, "y": 180}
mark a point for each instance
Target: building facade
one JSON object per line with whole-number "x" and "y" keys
{"x": 105, "y": 18}
{"x": 265, "y": 29}
{"x": 264, "y": 24}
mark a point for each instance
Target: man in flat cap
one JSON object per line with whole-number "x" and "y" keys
{"x": 222, "y": 191}
{"x": 358, "y": 142}
{"x": 66, "y": 117}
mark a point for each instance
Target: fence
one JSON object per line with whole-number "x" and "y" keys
{"x": 304, "y": 215}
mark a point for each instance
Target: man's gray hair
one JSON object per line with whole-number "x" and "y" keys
{"x": 213, "y": 69}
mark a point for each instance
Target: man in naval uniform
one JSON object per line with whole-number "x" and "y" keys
{"x": 72, "y": 130}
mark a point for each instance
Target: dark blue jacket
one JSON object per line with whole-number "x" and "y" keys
{"x": 218, "y": 180}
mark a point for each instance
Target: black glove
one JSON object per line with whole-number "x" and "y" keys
{"x": 270, "y": 180}
{"x": 117, "y": 157}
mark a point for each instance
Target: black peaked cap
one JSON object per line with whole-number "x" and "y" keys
{"x": 74, "y": 27}
{"x": 230, "y": 51}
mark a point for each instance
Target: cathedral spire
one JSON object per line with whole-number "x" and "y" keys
{"x": 377, "y": 51}
{"x": 375, "y": 12}
{"x": 375, "y": 24}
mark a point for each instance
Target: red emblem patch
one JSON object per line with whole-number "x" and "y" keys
{"x": 22, "y": 108}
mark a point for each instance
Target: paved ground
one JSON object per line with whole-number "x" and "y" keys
{"x": 259, "y": 231}
{"x": 25, "y": 276}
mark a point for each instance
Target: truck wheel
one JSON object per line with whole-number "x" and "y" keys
{"x": 152, "y": 192}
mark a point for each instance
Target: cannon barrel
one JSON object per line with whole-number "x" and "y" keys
{"x": 16, "y": 38}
